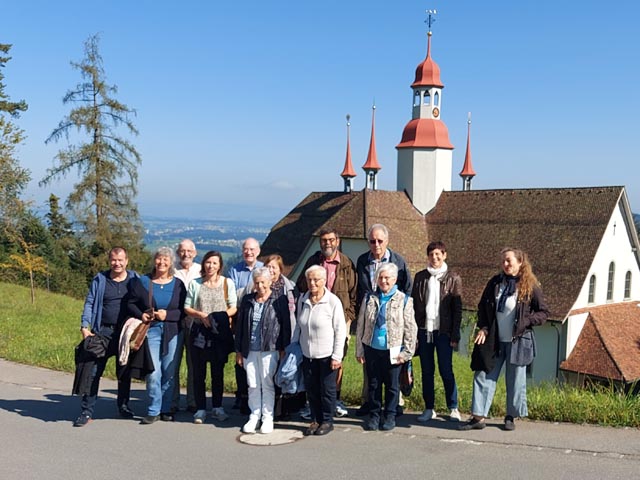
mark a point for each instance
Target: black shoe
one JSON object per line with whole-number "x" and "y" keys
{"x": 473, "y": 424}
{"x": 82, "y": 420}
{"x": 312, "y": 429}
{"x": 389, "y": 423}
{"x": 509, "y": 425}
{"x": 324, "y": 429}
{"x": 372, "y": 424}
{"x": 363, "y": 410}
{"x": 167, "y": 417}
{"x": 149, "y": 419}
{"x": 125, "y": 411}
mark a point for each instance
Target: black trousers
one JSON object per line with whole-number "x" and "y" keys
{"x": 320, "y": 382}
{"x": 380, "y": 371}
{"x": 200, "y": 357}
{"x": 88, "y": 402}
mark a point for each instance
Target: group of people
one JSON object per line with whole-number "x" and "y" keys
{"x": 264, "y": 317}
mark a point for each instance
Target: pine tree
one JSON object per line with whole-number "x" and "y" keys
{"x": 13, "y": 178}
{"x": 103, "y": 200}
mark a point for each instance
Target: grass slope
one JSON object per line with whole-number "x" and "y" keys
{"x": 46, "y": 333}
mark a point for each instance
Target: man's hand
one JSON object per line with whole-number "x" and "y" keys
{"x": 86, "y": 332}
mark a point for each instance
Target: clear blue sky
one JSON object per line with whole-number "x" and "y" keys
{"x": 245, "y": 102}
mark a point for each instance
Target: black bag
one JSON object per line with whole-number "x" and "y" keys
{"x": 523, "y": 349}
{"x": 406, "y": 378}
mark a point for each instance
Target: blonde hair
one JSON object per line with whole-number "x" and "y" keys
{"x": 528, "y": 280}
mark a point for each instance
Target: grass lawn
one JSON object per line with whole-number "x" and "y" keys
{"x": 46, "y": 333}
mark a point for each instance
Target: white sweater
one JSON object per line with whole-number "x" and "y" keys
{"x": 321, "y": 327}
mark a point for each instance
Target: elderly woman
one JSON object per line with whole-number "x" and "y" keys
{"x": 321, "y": 331}
{"x": 158, "y": 298}
{"x": 211, "y": 301}
{"x": 262, "y": 327}
{"x": 511, "y": 305}
{"x": 437, "y": 301}
{"x": 386, "y": 338}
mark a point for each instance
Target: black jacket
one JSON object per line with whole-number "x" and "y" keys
{"x": 450, "y": 302}
{"x": 276, "y": 326}
{"x": 530, "y": 314}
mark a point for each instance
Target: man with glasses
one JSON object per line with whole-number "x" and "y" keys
{"x": 342, "y": 282}
{"x": 366, "y": 267}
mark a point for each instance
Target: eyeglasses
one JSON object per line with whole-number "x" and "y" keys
{"x": 328, "y": 240}
{"x": 373, "y": 241}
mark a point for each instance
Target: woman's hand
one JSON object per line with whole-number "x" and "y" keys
{"x": 239, "y": 359}
{"x": 481, "y": 336}
{"x": 335, "y": 364}
{"x": 399, "y": 360}
{"x": 205, "y": 321}
{"x": 148, "y": 316}
{"x": 360, "y": 360}
{"x": 160, "y": 315}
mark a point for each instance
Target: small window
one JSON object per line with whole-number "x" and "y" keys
{"x": 416, "y": 99}
{"x": 592, "y": 289}
{"x": 427, "y": 99}
{"x": 627, "y": 285}
{"x": 436, "y": 99}
{"x": 612, "y": 271}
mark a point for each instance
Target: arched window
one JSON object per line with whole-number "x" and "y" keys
{"x": 612, "y": 271}
{"x": 416, "y": 99}
{"x": 627, "y": 285}
{"x": 436, "y": 99}
{"x": 427, "y": 98}
{"x": 592, "y": 289}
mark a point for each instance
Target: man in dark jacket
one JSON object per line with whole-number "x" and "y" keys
{"x": 366, "y": 267}
{"x": 341, "y": 281}
{"x": 104, "y": 314}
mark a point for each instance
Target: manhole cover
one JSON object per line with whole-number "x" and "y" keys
{"x": 277, "y": 437}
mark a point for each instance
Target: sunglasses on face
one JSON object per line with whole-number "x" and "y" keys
{"x": 373, "y": 241}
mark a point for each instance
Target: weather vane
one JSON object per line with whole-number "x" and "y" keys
{"x": 431, "y": 18}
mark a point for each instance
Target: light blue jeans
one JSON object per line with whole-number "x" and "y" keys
{"x": 484, "y": 386}
{"x": 160, "y": 381}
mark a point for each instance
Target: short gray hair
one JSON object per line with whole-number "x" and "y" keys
{"x": 316, "y": 268}
{"x": 378, "y": 226}
{"x": 261, "y": 272}
{"x": 165, "y": 252}
{"x": 389, "y": 267}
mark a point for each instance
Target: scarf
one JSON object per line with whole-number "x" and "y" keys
{"x": 509, "y": 289}
{"x": 381, "y": 318}
{"x": 433, "y": 299}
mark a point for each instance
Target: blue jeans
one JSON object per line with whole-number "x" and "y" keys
{"x": 380, "y": 371}
{"x": 442, "y": 346}
{"x": 484, "y": 386}
{"x": 160, "y": 381}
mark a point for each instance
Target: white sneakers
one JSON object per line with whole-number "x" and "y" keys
{"x": 341, "y": 410}
{"x": 219, "y": 414}
{"x": 454, "y": 416}
{"x": 267, "y": 425}
{"x": 199, "y": 417}
{"x": 429, "y": 414}
{"x": 251, "y": 425}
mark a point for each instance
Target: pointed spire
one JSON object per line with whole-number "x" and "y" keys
{"x": 372, "y": 166}
{"x": 348, "y": 172}
{"x": 467, "y": 172}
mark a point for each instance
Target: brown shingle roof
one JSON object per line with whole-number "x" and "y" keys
{"x": 609, "y": 343}
{"x": 559, "y": 228}
{"x": 351, "y": 214}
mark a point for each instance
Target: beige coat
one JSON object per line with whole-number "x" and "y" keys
{"x": 401, "y": 325}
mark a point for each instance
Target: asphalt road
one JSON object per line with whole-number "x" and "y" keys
{"x": 38, "y": 441}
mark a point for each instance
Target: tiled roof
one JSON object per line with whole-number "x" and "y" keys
{"x": 609, "y": 343}
{"x": 351, "y": 214}
{"x": 559, "y": 228}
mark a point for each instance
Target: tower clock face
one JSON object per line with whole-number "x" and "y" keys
{"x": 436, "y": 112}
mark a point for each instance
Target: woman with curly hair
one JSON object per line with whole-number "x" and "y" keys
{"x": 511, "y": 305}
